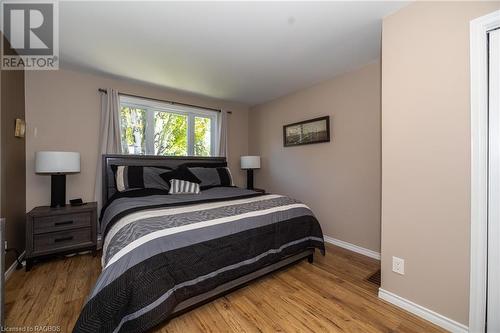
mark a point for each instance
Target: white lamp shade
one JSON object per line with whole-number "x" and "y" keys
{"x": 57, "y": 162}
{"x": 250, "y": 162}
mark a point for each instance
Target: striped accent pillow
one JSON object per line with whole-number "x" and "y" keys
{"x": 178, "y": 186}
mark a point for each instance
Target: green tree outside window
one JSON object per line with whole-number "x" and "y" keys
{"x": 170, "y": 136}
{"x": 147, "y": 130}
{"x": 133, "y": 125}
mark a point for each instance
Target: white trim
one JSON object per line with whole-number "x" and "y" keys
{"x": 12, "y": 267}
{"x": 149, "y": 132}
{"x": 493, "y": 288}
{"x": 190, "y": 134}
{"x": 479, "y": 166}
{"x": 422, "y": 312}
{"x": 352, "y": 247}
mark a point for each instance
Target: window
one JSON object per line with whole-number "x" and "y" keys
{"x": 159, "y": 128}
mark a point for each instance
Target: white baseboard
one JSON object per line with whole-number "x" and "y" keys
{"x": 12, "y": 267}
{"x": 352, "y": 247}
{"x": 429, "y": 315}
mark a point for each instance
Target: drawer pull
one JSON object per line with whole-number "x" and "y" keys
{"x": 63, "y": 223}
{"x": 63, "y": 239}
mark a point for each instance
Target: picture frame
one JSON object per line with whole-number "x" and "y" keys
{"x": 316, "y": 130}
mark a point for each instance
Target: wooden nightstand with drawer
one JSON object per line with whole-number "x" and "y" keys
{"x": 51, "y": 231}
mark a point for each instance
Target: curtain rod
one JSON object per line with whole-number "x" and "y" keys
{"x": 165, "y": 101}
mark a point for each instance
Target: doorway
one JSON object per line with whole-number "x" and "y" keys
{"x": 485, "y": 175}
{"x": 493, "y": 275}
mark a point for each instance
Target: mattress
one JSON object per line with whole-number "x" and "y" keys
{"x": 160, "y": 250}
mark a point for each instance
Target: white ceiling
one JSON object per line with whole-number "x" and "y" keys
{"x": 239, "y": 51}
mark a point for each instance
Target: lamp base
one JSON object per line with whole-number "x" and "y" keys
{"x": 249, "y": 179}
{"x": 58, "y": 191}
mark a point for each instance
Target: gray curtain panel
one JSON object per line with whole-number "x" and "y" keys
{"x": 109, "y": 135}
{"x": 221, "y": 146}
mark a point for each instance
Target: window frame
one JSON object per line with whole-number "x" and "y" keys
{"x": 152, "y": 106}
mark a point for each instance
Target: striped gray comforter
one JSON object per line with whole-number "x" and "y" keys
{"x": 160, "y": 250}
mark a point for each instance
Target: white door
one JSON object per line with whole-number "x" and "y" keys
{"x": 493, "y": 308}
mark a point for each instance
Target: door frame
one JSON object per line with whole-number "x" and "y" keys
{"x": 479, "y": 167}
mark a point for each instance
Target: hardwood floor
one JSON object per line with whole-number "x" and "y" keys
{"x": 331, "y": 295}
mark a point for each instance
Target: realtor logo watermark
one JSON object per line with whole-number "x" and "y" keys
{"x": 31, "y": 35}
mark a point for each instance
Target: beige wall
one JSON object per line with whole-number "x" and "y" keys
{"x": 426, "y": 153}
{"x": 339, "y": 180}
{"x": 62, "y": 107}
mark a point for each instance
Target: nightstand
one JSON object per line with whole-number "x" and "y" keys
{"x": 69, "y": 229}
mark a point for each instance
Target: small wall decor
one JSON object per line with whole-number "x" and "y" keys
{"x": 20, "y": 129}
{"x": 306, "y": 132}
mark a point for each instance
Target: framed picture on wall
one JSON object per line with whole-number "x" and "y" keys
{"x": 307, "y": 132}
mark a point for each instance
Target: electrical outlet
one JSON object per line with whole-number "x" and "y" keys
{"x": 5, "y": 245}
{"x": 398, "y": 265}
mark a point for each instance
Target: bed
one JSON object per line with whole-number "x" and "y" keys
{"x": 165, "y": 254}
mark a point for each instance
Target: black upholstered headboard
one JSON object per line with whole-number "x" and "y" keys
{"x": 108, "y": 179}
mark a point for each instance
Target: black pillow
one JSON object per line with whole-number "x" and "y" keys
{"x": 181, "y": 173}
{"x": 226, "y": 179}
{"x": 130, "y": 177}
{"x": 213, "y": 177}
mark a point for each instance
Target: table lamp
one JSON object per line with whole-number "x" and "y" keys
{"x": 250, "y": 163}
{"x": 57, "y": 164}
